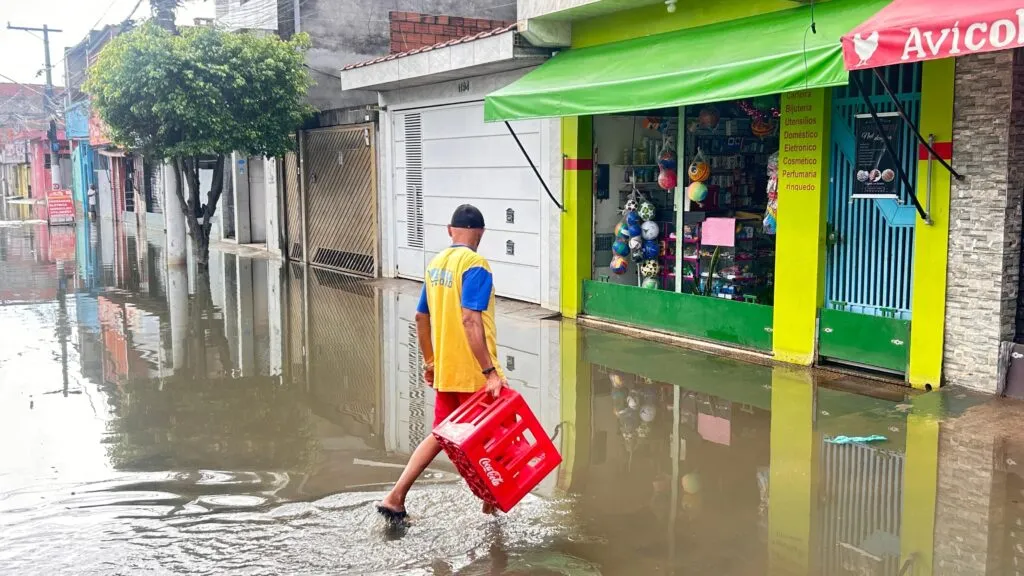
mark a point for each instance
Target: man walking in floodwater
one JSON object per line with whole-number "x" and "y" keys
{"x": 457, "y": 337}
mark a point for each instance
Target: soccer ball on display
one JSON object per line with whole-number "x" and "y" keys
{"x": 620, "y": 247}
{"x": 650, "y": 284}
{"x": 646, "y": 211}
{"x": 697, "y": 191}
{"x": 632, "y": 218}
{"x": 649, "y": 230}
{"x": 618, "y": 265}
{"x": 647, "y": 412}
{"x": 636, "y": 243}
{"x": 650, "y": 269}
{"x": 633, "y": 230}
{"x": 630, "y": 205}
{"x": 651, "y": 249}
{"x": 620, "y": 229}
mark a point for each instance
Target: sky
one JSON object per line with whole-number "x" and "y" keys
{"x": 21, "y": 53}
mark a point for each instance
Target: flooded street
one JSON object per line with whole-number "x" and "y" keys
{"x": 246, "y": 422}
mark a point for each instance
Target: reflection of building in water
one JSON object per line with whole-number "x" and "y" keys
{"x": 528, "y": 350}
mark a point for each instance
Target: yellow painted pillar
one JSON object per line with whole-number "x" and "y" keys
{"x": 803, "y": 210}
{"x": 791, "y": 479}
{"x": 920, "y": 485}
{"x": 575, "y": 406}
{"x": 931, "y": 241}
{"x": 578, "y": 217}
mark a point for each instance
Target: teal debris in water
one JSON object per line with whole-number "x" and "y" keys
{"x": 856, "y": 439}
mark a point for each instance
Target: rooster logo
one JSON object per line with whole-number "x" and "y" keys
{"x": 865, "y": 47}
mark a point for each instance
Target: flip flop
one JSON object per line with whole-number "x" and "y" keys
{"x": 392, "y": 517}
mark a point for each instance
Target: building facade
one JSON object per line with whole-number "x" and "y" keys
{"x": 769, "y": 226}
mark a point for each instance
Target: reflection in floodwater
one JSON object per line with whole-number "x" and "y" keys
{"x": 245, "y": 421}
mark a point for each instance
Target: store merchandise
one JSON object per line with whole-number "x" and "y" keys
{"x": 618, "y": 265}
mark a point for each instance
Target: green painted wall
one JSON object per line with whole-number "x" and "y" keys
{"x": 716, "y": 319}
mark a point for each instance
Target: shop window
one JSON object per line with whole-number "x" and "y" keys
{"x": 635, "y": 208}
{"x": 731, "y": 194}
{"x": 685, "y": 202}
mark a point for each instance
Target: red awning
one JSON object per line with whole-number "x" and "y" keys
{"x": 917, "y": 30}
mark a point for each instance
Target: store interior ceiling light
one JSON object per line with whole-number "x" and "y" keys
{"x": 670, "y": 5}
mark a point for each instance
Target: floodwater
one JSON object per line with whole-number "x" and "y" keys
{"x": 156, "y": 422}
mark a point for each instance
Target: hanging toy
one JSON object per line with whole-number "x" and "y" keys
{"x": 618, "y": 265}
{"x": 667, "y": 180}
{"x": 650, "y": 284}
{"x": 616, "y": 379}
{"x": 697, "y": 191}
{"x": 632, "y": 218}
{"x": 646, "y": 211}
{"x": 631, "y": 205}
{"x": 667, "y": 157}
{"x": 708, "y": 117}
{"x": 636, "y": 243}
{"x": 633, "y": 230}
{"x": 649, "y": 230}
{"x": 621, "y": 229}
{"x": 620, "y": 247}
{"x": 648, "y": 412}
{"x": 637, "y": 254}
{"x": 771, "y": 213}
{"x": 762, "y": 128}
{"x": 699, "y": 170}
{"x": 650, "y": 269}
{"x": 651, "y": 249}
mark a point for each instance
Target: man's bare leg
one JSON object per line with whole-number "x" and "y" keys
{"x": 418, "y": 462}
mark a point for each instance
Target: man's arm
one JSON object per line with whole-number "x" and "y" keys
{"x": 477, "y": 287}
{"x": 473, "y": 322}
{"x": 423, "y": 336}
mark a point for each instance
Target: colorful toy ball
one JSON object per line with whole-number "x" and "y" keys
{"x": 646, "y": 211}
{"x": 620, "y": 247}
{"x": 618, "y": 265}
{"x": 650, "y": 284}
{"x": 616, "y": 379}
{"x": 651, "y": 249}
{"x": 630, "y": 205}
{"x": 620, "y": 229}
{"x": 649, "y": 230}
{"x": 647, "y": 413}
{"x": 632, "y": 218}
{"x": 698, "y": 171}
{"x": 650, "y": 269}
{"x": 634, "y": 230}
{"x": 667, "y": 180}
{"x": 697, "y": 191}
{"x": 667, "y": 159}
{"x": 708, "y": 117}
{"x": 636, "y": 243}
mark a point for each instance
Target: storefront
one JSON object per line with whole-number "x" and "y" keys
{"x": 742, "y": 195}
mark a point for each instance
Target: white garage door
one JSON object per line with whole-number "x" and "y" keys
{"x": 447, "y": 156}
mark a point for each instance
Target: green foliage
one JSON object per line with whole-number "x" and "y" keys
{"x": 202, "y": 92}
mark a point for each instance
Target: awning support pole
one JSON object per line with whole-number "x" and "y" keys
{"x": 532, "y": 165}
{"x": 903, "y": 114}
{"x": 888, "y": 146}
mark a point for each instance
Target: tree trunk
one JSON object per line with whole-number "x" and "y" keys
{"x": 198, "y": 215}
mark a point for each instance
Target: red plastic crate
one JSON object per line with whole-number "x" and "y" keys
{"x": 498, "y": 446}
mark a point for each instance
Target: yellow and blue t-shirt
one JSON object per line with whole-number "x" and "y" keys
{"x": 458, "y": 278}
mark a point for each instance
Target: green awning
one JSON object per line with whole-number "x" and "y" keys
{"x": 745, "y": 58}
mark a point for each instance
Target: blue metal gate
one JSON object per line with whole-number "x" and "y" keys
{"x": 871, "y": 242}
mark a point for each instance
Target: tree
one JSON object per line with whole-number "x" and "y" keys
{"x": 195, "y": 97}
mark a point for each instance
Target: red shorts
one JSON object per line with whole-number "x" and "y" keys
{"x": 446, "y": 402}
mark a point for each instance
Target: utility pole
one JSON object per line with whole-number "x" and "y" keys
{"x": 51, "y": 113}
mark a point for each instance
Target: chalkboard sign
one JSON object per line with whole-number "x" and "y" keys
{"x": 875, "y": 168}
